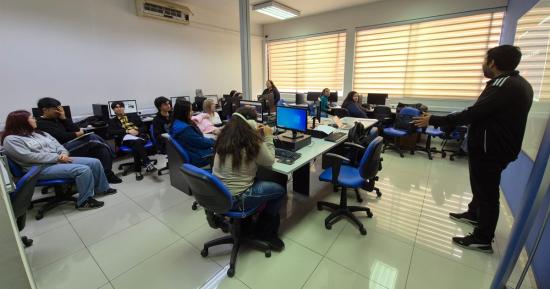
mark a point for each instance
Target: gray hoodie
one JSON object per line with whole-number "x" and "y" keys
{"x": 36, "y": 149}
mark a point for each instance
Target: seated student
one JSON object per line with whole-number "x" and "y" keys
{"x": 351, "y": 103}
{"x": 208, "y": 119}
{"x": 161, "y": 121}
{"x": 325, "y": 108}
{"x": 242, "y": 146}
{"x": 54, "y": 122}
{"x": 185, "y": 132}
{"x": 28, "y": 146}
{"x": 128, "y": 130}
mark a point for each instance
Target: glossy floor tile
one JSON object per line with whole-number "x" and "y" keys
{"x": 147, "y": 236}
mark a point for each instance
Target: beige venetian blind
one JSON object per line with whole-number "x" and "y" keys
{"x": 433, "y": 59}
{"x": 308, "y": 64}
{"x": 533, "y": 38}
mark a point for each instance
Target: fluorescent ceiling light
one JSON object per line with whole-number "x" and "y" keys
{"x": 276, "y": 9}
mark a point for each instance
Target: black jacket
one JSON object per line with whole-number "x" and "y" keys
{"x": 161, "y": 125}
{"x": 62, "y": 130}
{"x": 497, "y": 119}
{"x": 117, "y": 131}
{"x": 276, "y": 94}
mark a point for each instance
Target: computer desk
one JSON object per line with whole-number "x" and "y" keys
{"x": 299, "y": 171}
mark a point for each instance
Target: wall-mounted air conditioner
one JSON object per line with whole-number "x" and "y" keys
{"x": 163, "y": 10}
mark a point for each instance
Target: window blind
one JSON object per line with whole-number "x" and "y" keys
{"x": 533, "y": 38}
{"x": 433, "y": 59}
{"x": 308, "y": 64}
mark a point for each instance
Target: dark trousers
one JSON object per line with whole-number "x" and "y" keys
{"x": 98, "y": 151}
{"x": 139, "y": 152}
{"x": 485, "y": 182}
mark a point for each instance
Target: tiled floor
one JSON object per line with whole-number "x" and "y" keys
{"x": 148, "y": 237}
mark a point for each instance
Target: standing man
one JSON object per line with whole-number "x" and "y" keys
{"x": 62, "y": 128}
{"x": 497, "y": 124}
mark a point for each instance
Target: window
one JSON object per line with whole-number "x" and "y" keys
{"x": 308, "y": 64}
{"x": 533, "y": 38}
{"x": 434, "y": 59}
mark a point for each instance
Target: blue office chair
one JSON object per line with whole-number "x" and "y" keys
{"x": 21, "y": 197}
{"x": 214, "y": 197}
{"x": 156, "y": 143}
{"x": 458, "y": 134}
{"x": 62, "y": 189}
{"x": 126, "y": 167}
{"x": 431, "y": 132}
{"x": 398, "y": 133}
{"x": 348, "y": 176}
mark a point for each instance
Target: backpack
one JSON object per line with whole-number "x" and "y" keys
{"x": 360, "y": 135}
{"x": 404, "y": 122}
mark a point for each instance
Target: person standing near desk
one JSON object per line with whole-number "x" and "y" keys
{"x": 128, "y": 130}
{"x": 54, "y": 122}
{"x": 271, "y": 88}
{"x": 161, "y": 121}
{"x": 497, "y": 125}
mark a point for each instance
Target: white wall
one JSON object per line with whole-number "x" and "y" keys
{"x": 91, "y": 51}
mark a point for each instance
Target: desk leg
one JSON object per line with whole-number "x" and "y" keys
{"x": 301, "y": 180}
{"x": 264, "y": 174}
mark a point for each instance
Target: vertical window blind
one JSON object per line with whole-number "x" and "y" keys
{"x": 308, "y": 64}
{"x": 433, "y": 59}
{"x": 533, "y": 38}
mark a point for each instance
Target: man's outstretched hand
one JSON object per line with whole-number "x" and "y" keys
{"x": 422, "y": 121}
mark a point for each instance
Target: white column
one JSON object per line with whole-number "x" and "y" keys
{"x": 244, "y": 16}
{"x": 348, "y": 65}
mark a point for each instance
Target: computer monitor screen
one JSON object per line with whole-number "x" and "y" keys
{"x": 130, "y": 106}
{"x": 293, "y": 118}
{"x": 173, "y": 99}
{"x": 333, "y": 97}
{"x": 256, "y": 105}
{"x": 377, "y": 98}
{"x": 313, "y": 96}
{"x": 37, "y": 113}
{"x": 300, "y": 98}
{"x": 198, "y": 92}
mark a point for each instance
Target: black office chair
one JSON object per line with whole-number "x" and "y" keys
{"x": 214, "y": 197}
{"x": 383, "y": 115}
{"x": 21, "y": 199}
{"x": 458, "y": 134}
{"x": 348, "y": 176}
{"x": 156, "y": 143}
{"x": 339, "y": 112}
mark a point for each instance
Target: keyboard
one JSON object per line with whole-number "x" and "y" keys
{"x": 335, "y": 136}
{"x": 286, "y": 154}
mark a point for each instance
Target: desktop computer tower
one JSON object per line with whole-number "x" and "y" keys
{"x": 101, "y": 111}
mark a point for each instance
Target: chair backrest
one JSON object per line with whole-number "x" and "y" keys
{"x": 15, "y": 168}
{"x": 152, "y": 133}
{"x": 411, "y": 111}
{"x": 340, "y": 112}
{"x": 177, "y": 156}
{"x": 381, "y": 112}
{"x": 181, "y": 152}
{"x": 370, "y": 162}
{"x": 24, "y": 189}
{"x": 208, "y": 190}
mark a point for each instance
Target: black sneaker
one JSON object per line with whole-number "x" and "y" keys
{"x": 112, "y": 178}
{"x": 150, "y": 167}
{"x": 89, "y": 204}
{"x": 27, "y": 242}
{"x": 109, "y": 191}
{"x": 473, "y": 243}
{"x": 466, "y": 217}
{"x": 275, "y": 243}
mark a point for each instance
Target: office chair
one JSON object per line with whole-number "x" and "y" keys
{"x": 339, "y": 112}
{"x": 125, "y": 167}
{"x": 431, "y": 132}
{"x": 156, "y": 143}
{"x": 348, "y": 176}
{"x": 177, "y": 155}
{"x": 62, "y": 189}
{"x": 21, "y": 199}
{"x": 458, "y": 134}
{"x": 404, "y": 117}
{"x": 383, "y": 115}
{"x": 214, "y": 197}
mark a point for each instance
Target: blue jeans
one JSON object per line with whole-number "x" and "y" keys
{"x": 87, "y": 172}
{"x": 263, "y": 192}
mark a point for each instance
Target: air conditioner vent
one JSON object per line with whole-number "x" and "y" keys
{"x": 163, "y": 10}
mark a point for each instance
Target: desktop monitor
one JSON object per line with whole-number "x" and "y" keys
{"x": 301, "y": 98}
{"x": 37, "y": 113}
{"x": 198, "y": 92}
{"x": 333, "y": 97}
{"x": 377, "y": 98}
{"x": 256, "y": 105}
{"x": 130, "y": 106}
{"x": 313, "y": 96}
{"x": 173, "y": 99}
{"x": 292, "y": 118}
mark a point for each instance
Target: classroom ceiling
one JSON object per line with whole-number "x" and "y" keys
{"x": 306, "y": 7}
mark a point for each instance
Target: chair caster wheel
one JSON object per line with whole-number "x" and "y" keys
{"x": 139, "y": 177}
{"x": 319, "y": 207}
{"x": 268, "y": 253}
{"x": 194, "y": 207}
{"x": 328, "y": 226}
{"x": 159, "y": 173}
{"x": 204, "y": 252}
{"x": 363, "y": 231}
{"x": 120, "y": 168}
{"x": 412, "y": 153}
{"x": 39, "y": 216}
{"x": 452, "y": 158}
{"x": 431, "y": 158}
{"x": 31, "y": 205}
{"x": 369, "y": 214}
{"x": 443, "y": 155}
{"x": 231, "y": 272}
{"x": 359, "y": 200}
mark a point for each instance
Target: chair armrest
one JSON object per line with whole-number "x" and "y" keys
{"x": 337, "y": 164}
{"x": 355, "y": 153}
{"x": 210, "y": 159}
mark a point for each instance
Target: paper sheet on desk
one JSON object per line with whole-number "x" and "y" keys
{"x": 325, "y": 128}
{"x": 130, "y": 137}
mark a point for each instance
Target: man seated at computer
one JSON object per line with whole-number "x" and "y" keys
{"x": 57, "y": 124}
{"x": 161, "y": 121}
{"x": 209, "y": 119}
{"x": 186, "y": 133}
{"x": 128, "y": 130}
{"x": 352, "y": 104}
